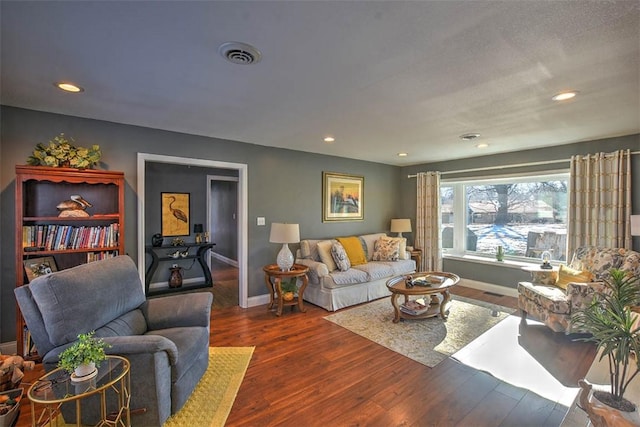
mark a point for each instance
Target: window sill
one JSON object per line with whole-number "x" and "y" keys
{"x": 507, "y": 263}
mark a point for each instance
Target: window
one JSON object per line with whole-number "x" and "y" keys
{"x": 525, "y": 215}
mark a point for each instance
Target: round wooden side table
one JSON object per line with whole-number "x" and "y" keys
{"x": 273, "y": 278}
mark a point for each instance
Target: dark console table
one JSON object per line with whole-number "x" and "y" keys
{"x": 160, "y": 254}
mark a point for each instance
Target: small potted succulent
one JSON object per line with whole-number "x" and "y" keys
{"x": 61, "y": 152}
{"x": 82, "y": 357}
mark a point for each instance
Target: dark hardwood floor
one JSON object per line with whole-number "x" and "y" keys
{"x": 307, "y": 371}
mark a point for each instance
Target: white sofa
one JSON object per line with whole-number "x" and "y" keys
{"x": 333, "y": 289}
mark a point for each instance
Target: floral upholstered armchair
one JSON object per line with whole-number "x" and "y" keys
{"x": 575, "y": 287}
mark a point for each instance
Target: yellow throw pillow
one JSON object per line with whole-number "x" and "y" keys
{"x": 568, "y": 274}
{"x": 354, "y": 250}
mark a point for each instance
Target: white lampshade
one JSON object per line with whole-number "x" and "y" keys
{"x": 635, "y": 225}
{"x": 401, "y": 226}
{"x": 284, "y": 233}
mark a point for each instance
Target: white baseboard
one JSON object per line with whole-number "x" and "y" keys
{"x": 259, "y": 300}
{"x": 488, "y": 287}
{"x": 222, "y": 258}
{"x": 8, "y": 348}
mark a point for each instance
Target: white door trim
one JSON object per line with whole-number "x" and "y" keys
{"x": 243, "y": 215}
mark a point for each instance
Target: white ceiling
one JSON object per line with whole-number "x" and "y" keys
{"x": 382, "y": 77}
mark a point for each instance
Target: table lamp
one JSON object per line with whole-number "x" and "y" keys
{"x": 197, "y": 228}
{"x": 284, "y": 233}
{"x": 401, "y": 226}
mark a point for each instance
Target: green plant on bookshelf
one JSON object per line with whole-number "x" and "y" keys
{"x": 61, "y": 152}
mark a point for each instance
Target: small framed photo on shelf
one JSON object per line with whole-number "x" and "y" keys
{"x": 342, "y": 197}
{"x": 175, "y": 214}
{"x": 36, "y": 267}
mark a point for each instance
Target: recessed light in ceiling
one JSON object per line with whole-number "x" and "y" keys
{"x": 482, "y": 145}
{"x": 469, "y": 136}
{"x": 563, "y": 96}
{"x": 402, "y": 154}
{"x": 240, "y": 53}
{"x": 329, "y": 139}
{"x": 68, "y": 87}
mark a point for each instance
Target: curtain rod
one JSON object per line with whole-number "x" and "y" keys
{"x": 517, "y": 165}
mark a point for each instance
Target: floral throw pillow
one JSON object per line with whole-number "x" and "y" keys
{"x": 386, "y": 250}
{"x": 340, "y": 257}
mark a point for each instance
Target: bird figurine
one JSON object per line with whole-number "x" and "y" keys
{"x": 75, "y": 207}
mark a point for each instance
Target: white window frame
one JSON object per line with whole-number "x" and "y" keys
{"x": 459, "y": 205}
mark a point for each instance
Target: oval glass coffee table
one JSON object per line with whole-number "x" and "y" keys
{"x": 426, "y": 285}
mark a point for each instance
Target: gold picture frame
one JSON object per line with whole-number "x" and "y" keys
{"x": 36, "y": 267}
{"x": 342, "y": 197}
{"x": 175, "y": 214}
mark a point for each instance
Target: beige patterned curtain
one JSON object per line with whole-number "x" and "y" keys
{"x": 427, "y": 235}
{"x": 600, "y": 201}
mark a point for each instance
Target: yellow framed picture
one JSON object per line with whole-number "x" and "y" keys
{"x": 342, "y": 197}
{"x": 175, "y": 214}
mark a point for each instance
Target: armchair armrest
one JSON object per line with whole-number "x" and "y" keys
{"x": 178, "y": 310}
{"x": 581, "y": 294}
{"x": 125, "y": 345}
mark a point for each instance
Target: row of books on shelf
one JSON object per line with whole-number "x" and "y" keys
{"x": 62, "y": 237}
{"x": 97, "y": 256}
{"x": 415, "y": 307}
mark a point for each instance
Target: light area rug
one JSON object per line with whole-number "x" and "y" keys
{"x": 501, "y": 352}
{"x": 211, "y": 401}
{"x": 428, "y": 341}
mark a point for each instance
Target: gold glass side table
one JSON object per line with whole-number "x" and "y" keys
{"x": 56, "y": 388}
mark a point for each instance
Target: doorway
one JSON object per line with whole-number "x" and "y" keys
{"x": 241, "y": 216}
{"x": 222, "y": 221}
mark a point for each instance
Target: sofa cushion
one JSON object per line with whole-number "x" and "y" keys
{"x": 350, "y": 277}
{"x": 375, "y": 270}
{"x": 402, "y": 246}
{"x": 324, "y": 250}
{"x": 386, "y": 250}
{"x": 567, "y": 275}
{"x": 369, "y": 243}
{"x": 132, "y": 323}
{"x": 340, "y": 256}
{"x": 354, "y": 249}
{"x": 305, "y": 249}
{"x": 83, "y": 289}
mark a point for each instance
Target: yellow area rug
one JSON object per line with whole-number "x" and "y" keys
{"x": 211, "y": 401}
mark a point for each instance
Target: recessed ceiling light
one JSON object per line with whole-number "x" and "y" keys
{"x": 329, "y": 139}
{"x": 402, "y": 154}
{"x": 69, "y": 87}
{"x": 563, "y": 96}
{"x": 469, "y": 136}
{"x": 482, "y": 145}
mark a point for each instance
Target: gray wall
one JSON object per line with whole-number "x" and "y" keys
{"x": 499, "y": 274}
{"x": 283, "y": 185}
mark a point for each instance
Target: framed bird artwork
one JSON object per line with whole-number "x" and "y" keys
{"x": 175, "y": 214}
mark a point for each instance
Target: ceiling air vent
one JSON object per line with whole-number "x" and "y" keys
{"x": 469, "y": 136}
{"x": 239, "y": 53}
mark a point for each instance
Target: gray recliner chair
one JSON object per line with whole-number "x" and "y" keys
{"x": 165, "y": 339}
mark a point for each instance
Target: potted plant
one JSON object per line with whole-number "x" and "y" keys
{"x": 84, "y": 355}
{"x": 60, "y": 152}
{"x": 289, "y": 288}
{"x": 613, "y": 327}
